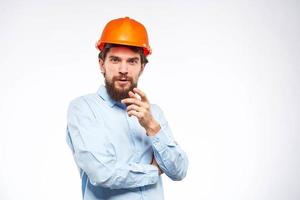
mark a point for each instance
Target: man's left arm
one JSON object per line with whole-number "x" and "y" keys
{"x": 169, "y": 156}
{"x": 172, "y": 160}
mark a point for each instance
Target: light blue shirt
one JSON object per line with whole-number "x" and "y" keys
{"x": 113, "y": 152}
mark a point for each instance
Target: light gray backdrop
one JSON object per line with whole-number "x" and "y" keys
{"x": 226, "y": 74}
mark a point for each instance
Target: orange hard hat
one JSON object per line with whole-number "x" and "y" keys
{"x": 125, "y": 31}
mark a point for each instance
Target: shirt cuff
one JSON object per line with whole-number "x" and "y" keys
{"x": 161, "y": 140}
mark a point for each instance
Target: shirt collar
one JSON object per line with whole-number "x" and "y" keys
{"x": 102, "y": 92}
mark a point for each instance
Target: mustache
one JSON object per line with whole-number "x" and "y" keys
{"x": 123, "y": 78}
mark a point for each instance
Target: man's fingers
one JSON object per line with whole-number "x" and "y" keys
{"x": 134, "y": 113}
{"x": 133, "y": 95}
{"x": 132, "y": 101}
{"x": 134, "y": 107}
{"x": 141, "y": 93}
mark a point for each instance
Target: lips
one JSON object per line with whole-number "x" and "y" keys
{"x": 123, "y": 81}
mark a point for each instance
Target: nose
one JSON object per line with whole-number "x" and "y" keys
{"x": 123, "y": 68}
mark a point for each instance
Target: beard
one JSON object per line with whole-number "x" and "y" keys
{"x": 116, "y": 93}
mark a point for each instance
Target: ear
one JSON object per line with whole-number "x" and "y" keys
{"x": 102, "y": 68}
{"x": 142, "y": 68}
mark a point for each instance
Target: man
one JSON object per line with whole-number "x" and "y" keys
{"x": 121, "y": 143}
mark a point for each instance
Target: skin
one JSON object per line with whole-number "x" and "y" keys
{"x": 122, "y": 62}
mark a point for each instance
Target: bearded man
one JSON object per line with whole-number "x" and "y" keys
{"x": 121, "y": 143}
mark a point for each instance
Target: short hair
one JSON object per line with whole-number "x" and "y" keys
{"x": 139, "y": 50}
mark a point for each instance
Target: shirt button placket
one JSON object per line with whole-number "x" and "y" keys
{"x": 131, "y": 135}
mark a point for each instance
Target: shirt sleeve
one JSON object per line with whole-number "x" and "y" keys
{"x": 95, "y": 154}
{"x": 168, "y": 154}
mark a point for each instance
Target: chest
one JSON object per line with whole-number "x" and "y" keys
{"x": 127, "y": 136}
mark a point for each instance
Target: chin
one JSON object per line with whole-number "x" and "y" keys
{"x": 125, "y": 87}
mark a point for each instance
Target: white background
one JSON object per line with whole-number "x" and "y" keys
{"x": 226, "y": 73}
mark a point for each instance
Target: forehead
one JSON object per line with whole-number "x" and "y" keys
{"x": 122, "y": 52}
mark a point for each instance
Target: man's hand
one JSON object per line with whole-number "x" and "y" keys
{"x": 155, "y": 164}
{"x": 140, "y": 107}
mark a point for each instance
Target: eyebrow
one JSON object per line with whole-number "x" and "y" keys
{"x": 129, "y": 59}
{"x": 114, "y": 57}
{"x": 133, "y": 59}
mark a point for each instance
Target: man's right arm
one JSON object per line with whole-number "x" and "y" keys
{"x": 95, "y": 154}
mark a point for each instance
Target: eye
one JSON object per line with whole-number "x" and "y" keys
{"x": 114, "y": 60}
{"x": 133, "y": 61}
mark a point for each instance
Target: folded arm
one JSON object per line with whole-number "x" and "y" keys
{"x": 170, "y": 157}
{"x": 95, "y": 154}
